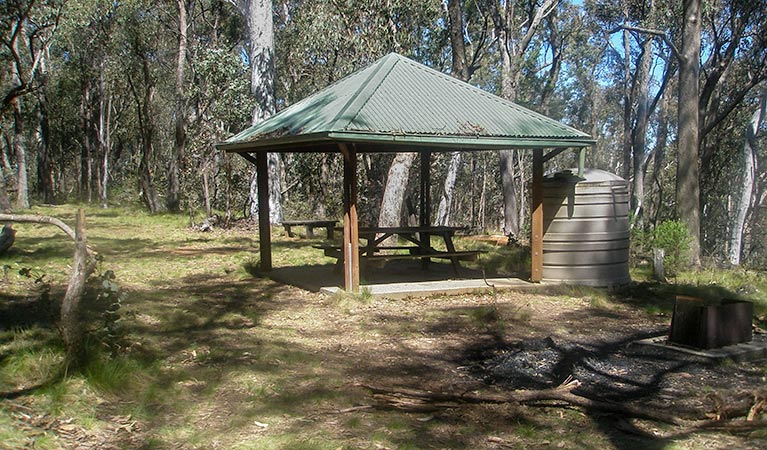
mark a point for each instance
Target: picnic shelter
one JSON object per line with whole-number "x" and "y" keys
{"x": 398, "y": 105}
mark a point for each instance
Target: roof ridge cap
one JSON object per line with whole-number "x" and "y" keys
{"x": 360, "y": 98}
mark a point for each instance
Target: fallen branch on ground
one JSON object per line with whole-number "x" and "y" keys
{"x": 403, "y": 398}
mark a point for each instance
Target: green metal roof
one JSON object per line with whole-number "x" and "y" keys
{"x": 396, "y": 103}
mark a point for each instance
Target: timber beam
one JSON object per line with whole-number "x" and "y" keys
{"x": 351, "y": 225}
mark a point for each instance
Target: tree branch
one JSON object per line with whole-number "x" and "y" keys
{"x": 563, "y": 392}
{"x": 34, "y": 218}
{"x": 652, "y": 32}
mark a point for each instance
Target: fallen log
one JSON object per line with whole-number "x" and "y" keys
{"x": 563, "y": 392}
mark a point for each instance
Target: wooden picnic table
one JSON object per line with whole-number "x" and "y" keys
{"x": 419, "y": 247}
{"x": 310, "y": 225}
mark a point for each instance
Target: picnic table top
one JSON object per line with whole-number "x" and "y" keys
{"x": 414, "y": 229}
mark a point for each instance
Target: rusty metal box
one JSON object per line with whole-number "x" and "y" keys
{"x": 707, "y": 324}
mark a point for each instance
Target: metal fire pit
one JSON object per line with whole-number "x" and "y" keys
{"x": 711, "y": 324}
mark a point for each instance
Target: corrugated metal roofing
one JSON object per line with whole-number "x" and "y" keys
{"x": 398, "y": 100}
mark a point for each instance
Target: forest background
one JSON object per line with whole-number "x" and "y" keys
{"x": 117, "y": 103}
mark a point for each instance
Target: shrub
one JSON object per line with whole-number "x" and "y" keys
{"x": 640, "y": 246}
{"x": 674, "y": 238}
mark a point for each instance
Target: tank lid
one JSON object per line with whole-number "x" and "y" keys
{"x": 589, "y": 176}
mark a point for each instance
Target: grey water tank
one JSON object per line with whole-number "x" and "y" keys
{"x": 586, "y": 228}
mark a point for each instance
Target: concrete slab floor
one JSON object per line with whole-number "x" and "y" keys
{"x": 747, "y": 351}
{"x": 429, "y": 288}
{"x": 397, "y": 279}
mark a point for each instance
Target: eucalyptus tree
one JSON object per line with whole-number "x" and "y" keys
{"x": 648, "y": 62}
{"x": 83, "y": 91}
{"x": 26, "y": 28}
{"x": 469, "y": 36}
{"x": 734, "y": 64}
{"x": 176, "y": 158}
{"x": 516, "y": 24}
{"x": 746, "y": 198}
{"x": 259, "y": 21}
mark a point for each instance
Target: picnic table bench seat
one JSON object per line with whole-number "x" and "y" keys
{"x": 335, "y": 251}
{"x": 310, "y": 225}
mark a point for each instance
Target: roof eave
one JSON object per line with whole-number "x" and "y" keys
{"x": 274, "y": 143}
{"x": 467, "y": 142}
{"x": 402, "y": 142}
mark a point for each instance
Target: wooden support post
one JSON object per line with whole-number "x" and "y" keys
{"x": 537, "y": 217}
{"x": 351, "y": 227}
{"x": 264, "y": 227}
{"x": 425, "y": 206}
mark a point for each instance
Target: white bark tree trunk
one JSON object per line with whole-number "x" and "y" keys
{"x": 394, "y": 191}
{"x": 259, "y": 19}
{"x": 746, "y": 192}
{"x": 443, "y": 212}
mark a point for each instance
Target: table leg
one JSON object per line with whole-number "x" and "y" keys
{"x": 451, "y": 248}
{"x": 287, "y": 230}
{"x": 330, "y": 231}
{"x": 310, "y": 231}
{"x": 425, "y": 244}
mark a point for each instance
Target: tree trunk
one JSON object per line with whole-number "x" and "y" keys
{"x": 515, "y": 36}
{"x": 259, "y": 20}
{"x": 274, "y": 163}
{"x": 639, "y": 132}
{"x": 507, "y": 160}
{"x": 44, "y": 167}
{"x": 83, "y": 265}
{"x": 445, "y": 203}
{"x": 71, "y": 323}
{"x": 394, "y": 192}
{"x": 460, "y": 71}
{"x": 5, "y": 204}
{"x": 85, "y": 151}
{"x": 482, "y": 210}
{"x": 146, "y": 125}
{"x": 457, "y": 44}
{"x": 179, "y": 143}
{"x": 556, "y": 63}
{"x": 659, "y": 153}
{"x": 687, "y": 182}
{"x": 747, "y": 188}
{"x": 206, "y": 193}
{"x": 22, "y": 186}
{"x": 105, "y": 142}
{"x": 6, "y": 156}
{"x": 509, "y": 83}
{"x": 627, "y": 106}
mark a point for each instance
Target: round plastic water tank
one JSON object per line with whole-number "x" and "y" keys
{"x": 586, "y": 228}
